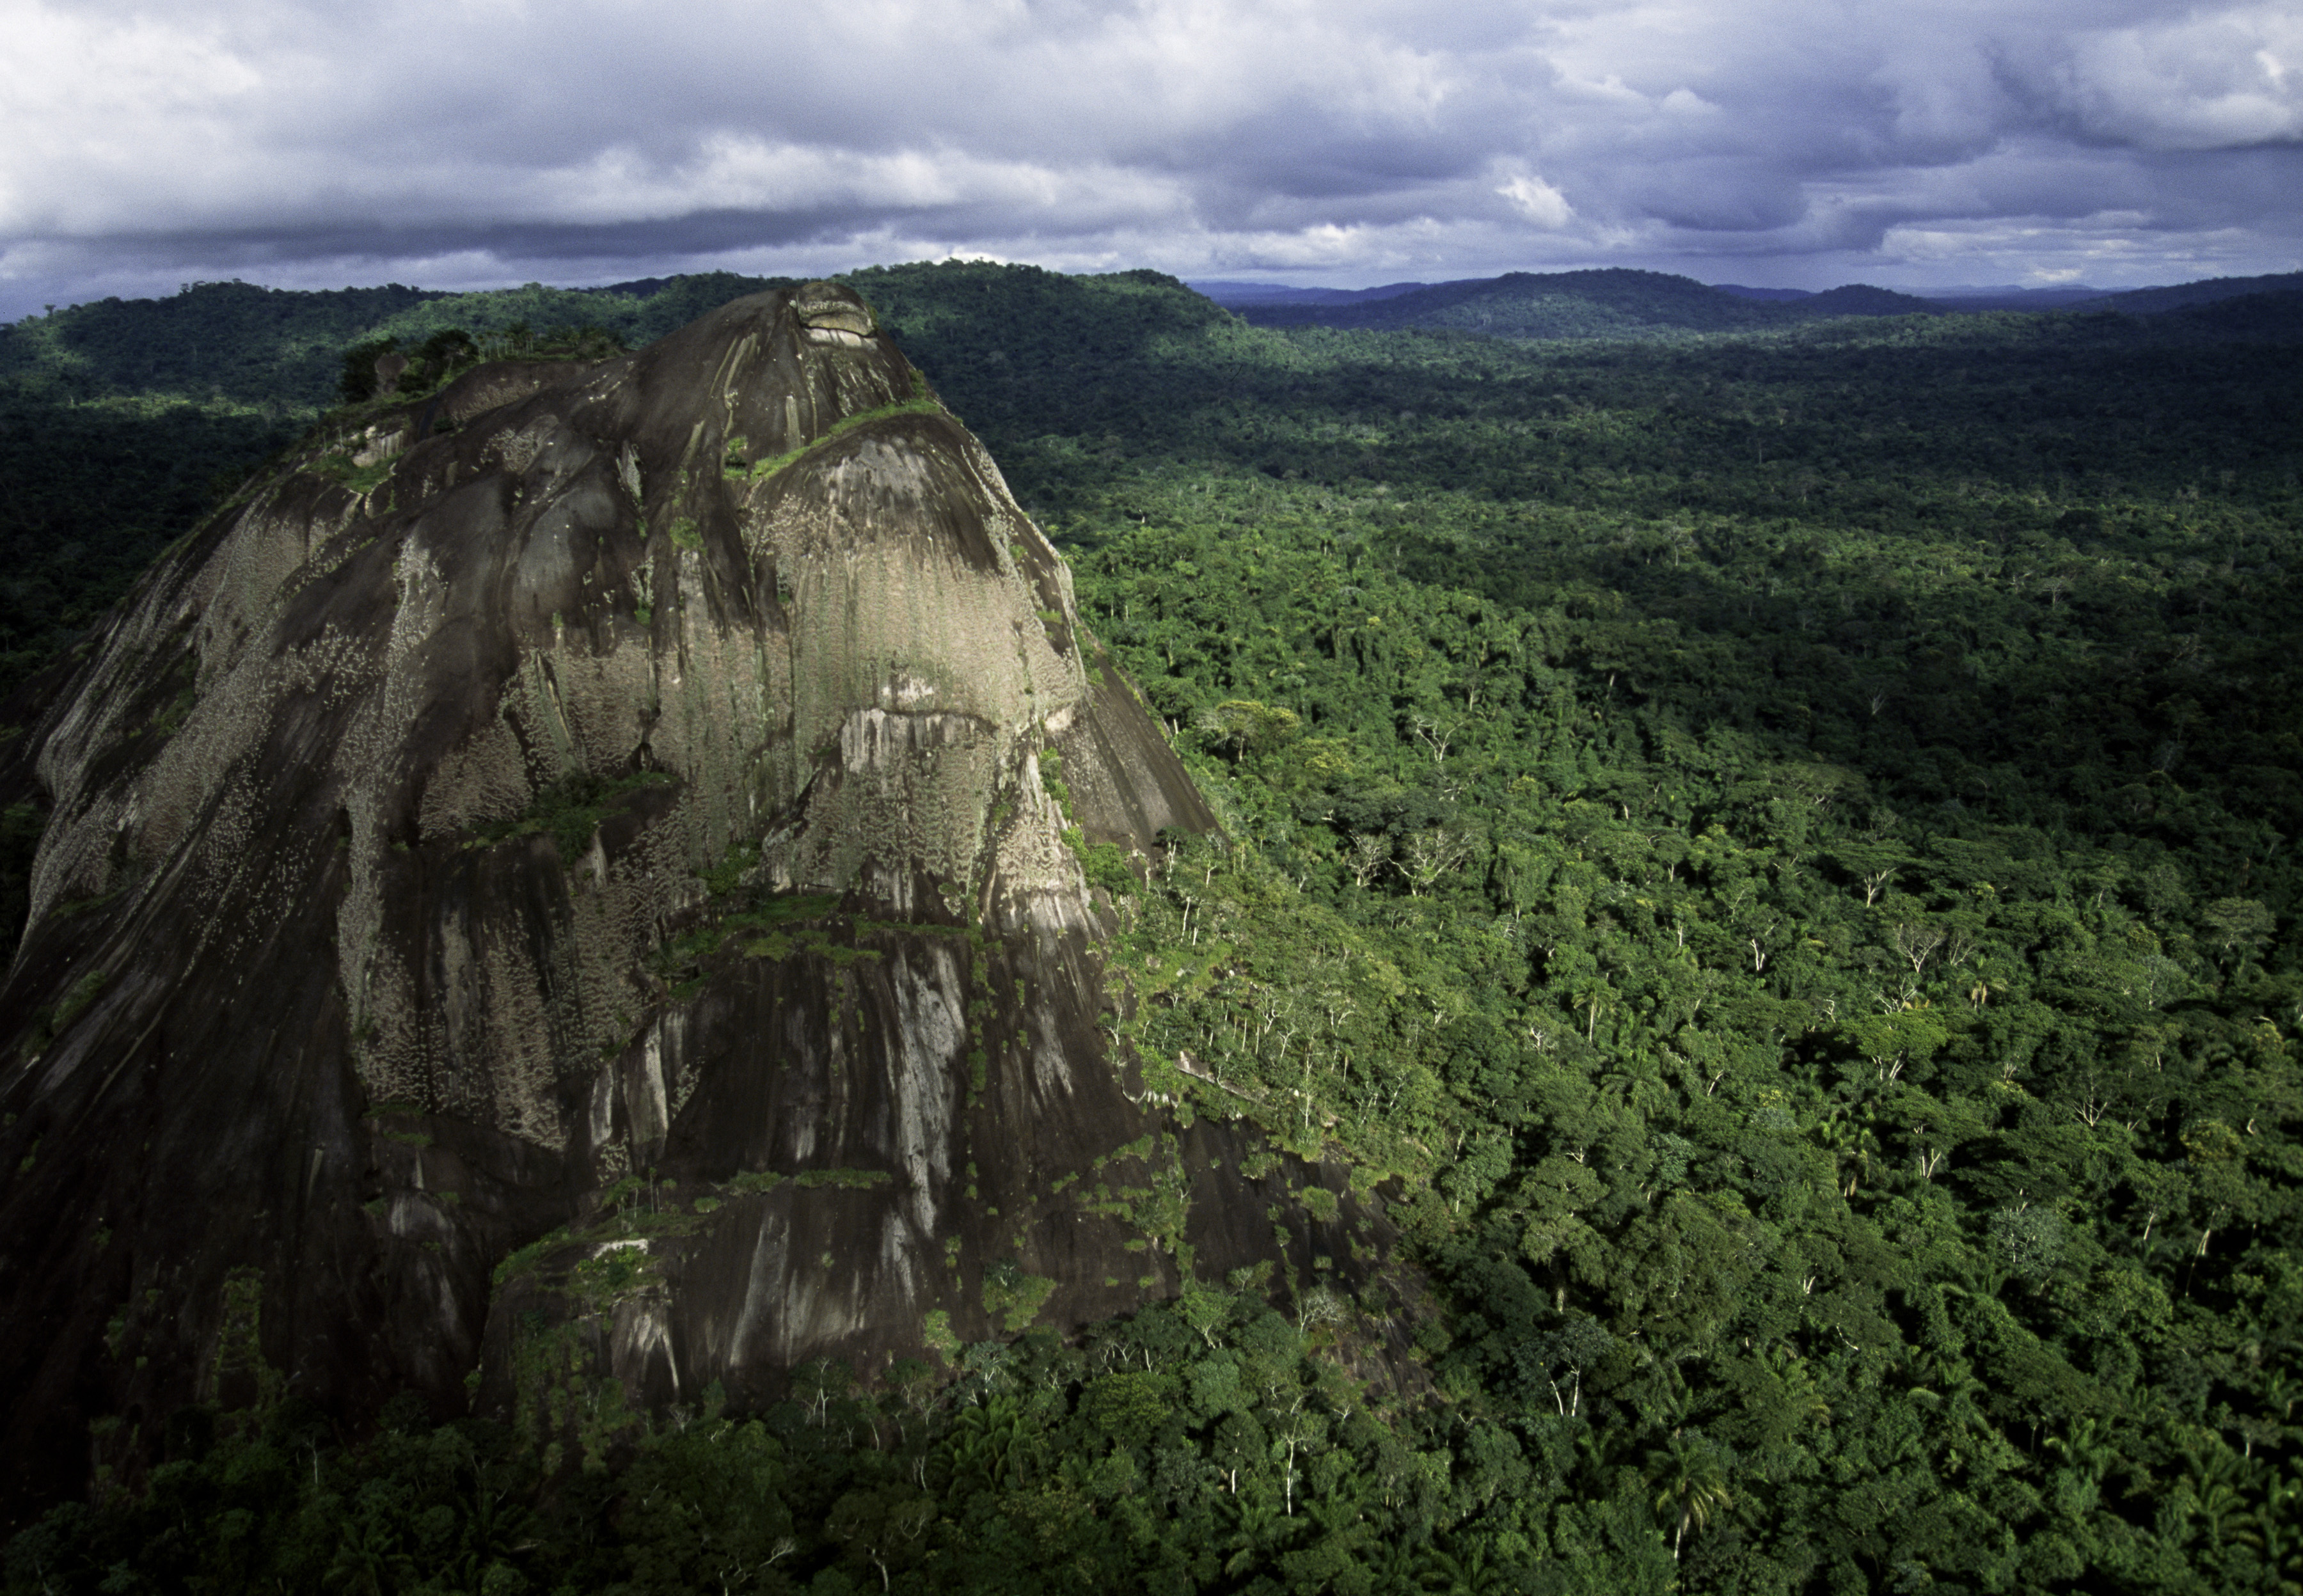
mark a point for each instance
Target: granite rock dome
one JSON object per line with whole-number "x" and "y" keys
{"x": 580, "y": 876}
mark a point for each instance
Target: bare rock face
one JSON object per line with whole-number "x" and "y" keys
{"x": 582, "y": 878}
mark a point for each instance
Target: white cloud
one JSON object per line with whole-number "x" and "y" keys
{"x": 2203, "y": 81}
{"x": 1537, "y": 201}
{"x": 1338, "y": 137}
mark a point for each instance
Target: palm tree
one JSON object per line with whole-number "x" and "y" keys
{"x": 1951, "y": 1394}
{"x": 1258, "y": 1528}
{"x": 1689, "y": 1485}
{"x": 366, "y": 1557}
{"x": 1393, "y": 1563}
{"x": 984, "y": 1447}
{"x": 1854, "y": 1148}
{"x": 2218, "y": 1505}
{"x": 1802, "y": 1394}
{"x": 2279, "y": 1530}
{"x": 2087, "y": 1446}
{"x": 1470, "y": 1571}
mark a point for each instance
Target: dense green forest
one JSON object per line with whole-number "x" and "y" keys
{"x": 1770, "y": 852}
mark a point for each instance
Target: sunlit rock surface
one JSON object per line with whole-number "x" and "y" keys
{"x": 567, "y": 878}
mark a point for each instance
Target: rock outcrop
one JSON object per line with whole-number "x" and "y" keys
{"x": 581, "y": 876}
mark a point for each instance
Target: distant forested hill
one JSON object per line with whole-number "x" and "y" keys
{"x": 234, "y": 342}
{"x": 1773, "y": 851}
{"x": 2144, "y": 300}
{"x": 1613, "y": 303}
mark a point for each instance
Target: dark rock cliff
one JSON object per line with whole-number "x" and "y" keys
{"x": 567, "y": 879}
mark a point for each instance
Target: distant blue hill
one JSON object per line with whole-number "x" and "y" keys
{"x": 1231, "y": 294}
{"x": 1611, "y": 303}
{"x": 1861, "y": 299}
{"x": 2133, "y": 301}
{"x": 2272, "y": 318}
{"x": 1622, "y": 303}
{"x": 2012, "y": 296}
{"x": 2147, "y": 302}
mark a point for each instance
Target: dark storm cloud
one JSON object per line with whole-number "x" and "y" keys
{"x": 487, "y": 140}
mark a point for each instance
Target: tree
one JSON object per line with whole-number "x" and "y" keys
{"x": 1370, "y": 851}
{"x": 1916, "y": 940}
{"x": 2235, "y": 923}
{"x": 1557, "y": 1360}
{"x": 1426, "y": 856}
{"x": 1689, "y": 1485}
{"x": 1240, "y": 1444}
{"x": 882, "y": 1527}
{"x": 1247, "y": 727}
{"x": 703, "y": 1506}
{"x": 820, "y": 1384}
{"x": 361, "y": 377}
{"x": 1464, "y": 1568}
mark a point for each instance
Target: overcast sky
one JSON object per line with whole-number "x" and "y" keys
{"x": 1798, "y": 143}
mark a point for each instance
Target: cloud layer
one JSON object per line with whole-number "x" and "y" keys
{"x": 1796, "y": 141}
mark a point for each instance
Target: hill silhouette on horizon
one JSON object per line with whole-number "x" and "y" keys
{"x": 1612, "y": 302}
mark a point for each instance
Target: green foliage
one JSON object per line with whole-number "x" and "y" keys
{"x": 705, "y": 1509}
{"x": 361, "y": 479}
{"x": 358, "y": 382}
{"x": 921, "y": 403}
{"x": 849, "y": 1179}
{"x": 124, "y": 423}
{"x": 92, "y": 489}
{"x": 233, "y": 341}
{"x": 55, "y": 1020}
{"x": 728, "y": 875}
{"x": 1773, "y": 851}
{"x": 775, "y": 925}
{"x": 428, "y": 365}
{"x": 1051, "y": 779}
{"x": 1014, "y": 1297}
{"x": 1213, "y": 1452}
{"x": 1102, "y": 862}
{"x": 1747, "y": 849}
{"x": 569, "y": 811}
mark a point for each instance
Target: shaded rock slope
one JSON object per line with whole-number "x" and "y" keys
{"x": 581, "y": 876}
